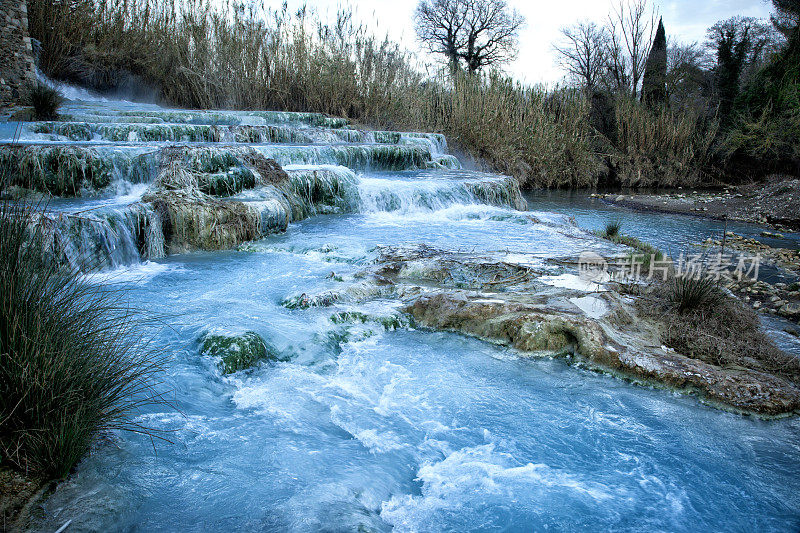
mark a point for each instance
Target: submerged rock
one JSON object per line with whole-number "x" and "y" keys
{"x": 239, "y": 352}
{"x": 389, "y": 322}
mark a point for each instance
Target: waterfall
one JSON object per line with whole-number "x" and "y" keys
{"x": 103, "y": 149}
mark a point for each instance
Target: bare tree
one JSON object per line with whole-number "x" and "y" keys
{"x": 583, "y": 53}
{"x": 480, "y": 33}
{"x": 687, "y": 66}
{"x": 441, "y": 25}
{"x": 631, "y": 27}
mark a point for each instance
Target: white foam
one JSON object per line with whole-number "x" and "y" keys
{"x": 138, "y": 273}
{"x": 70, "y": 92}
{"x": 591, "y": 306}
{"x": 473, "y": 476}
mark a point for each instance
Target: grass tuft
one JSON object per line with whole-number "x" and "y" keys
{"x": 73, "y": 363}
{"x": 45, "y": 101}
{"x": 692, "y": 293}
{"x": 612, "y": 229}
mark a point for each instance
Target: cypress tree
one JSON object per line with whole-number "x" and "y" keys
{"x": 654, "y": 83}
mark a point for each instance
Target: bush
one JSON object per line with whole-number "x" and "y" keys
{"x": 73, "y": 364}
{"x": 713, "y": 327}
{"x": 661, "y": 147}
{"x": 612, "y": 229}
{"x": 45, "y": 101}
{"x": 691, "y": 293}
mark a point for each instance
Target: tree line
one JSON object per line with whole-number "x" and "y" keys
{"x": 742, "y": 81}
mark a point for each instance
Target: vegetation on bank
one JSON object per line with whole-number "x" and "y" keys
{"x": 45, "y": 102}
{"x": 73, "y": 364}
{"x": 576, "y": 136}
{"x": 698, "y": 319}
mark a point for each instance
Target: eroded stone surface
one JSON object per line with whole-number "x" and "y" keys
{"x": 516, "y": 305}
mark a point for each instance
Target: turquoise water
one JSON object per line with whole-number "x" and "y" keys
{"x": 406, "y": 430}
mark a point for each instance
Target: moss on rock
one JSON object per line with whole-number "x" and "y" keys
{"x": 58, "y": 170}
{"x": 239, "y": 352}
{"x": 389, "y": 322}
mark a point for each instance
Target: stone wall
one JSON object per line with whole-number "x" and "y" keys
{"x": 17, "y": 71}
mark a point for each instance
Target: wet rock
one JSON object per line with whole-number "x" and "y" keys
{"x": 389, "y": 322}
{"x": 534, "y": 329}
{"x": 239, "y": 352}
{"x": 790, "y": 310}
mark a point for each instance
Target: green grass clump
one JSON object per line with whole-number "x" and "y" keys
{"x": 73, "y": 364}
{"x": 691, "y": 293}
{"x": 45, "y": 101}
{"x": 612, "y": 229}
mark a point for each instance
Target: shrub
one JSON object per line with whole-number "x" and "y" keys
{"x": 45, "y": 101}
{"x": 73, "y": 364}
{"x": 691, "y": 293}
{"x": 612, "y": 229}
{"x": 725, "y": 333}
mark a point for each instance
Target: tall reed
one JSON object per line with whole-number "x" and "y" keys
{"x": 662, "y": 148}
{"x": 202, "y": 54}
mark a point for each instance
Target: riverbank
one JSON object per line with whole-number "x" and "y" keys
{"x": 775, "y": 201}
{"x": 18, "y": 495}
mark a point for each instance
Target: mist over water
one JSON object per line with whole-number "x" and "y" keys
{"x": 374, "y": 430}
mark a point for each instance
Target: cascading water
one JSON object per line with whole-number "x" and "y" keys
{"x": 365, "y": 427}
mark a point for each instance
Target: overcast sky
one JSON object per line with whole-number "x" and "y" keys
{"x": 685, "y": 20}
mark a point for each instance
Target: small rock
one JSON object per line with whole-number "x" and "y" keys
{"x": 238, "y": 352}
{"x": 790, "y": 309}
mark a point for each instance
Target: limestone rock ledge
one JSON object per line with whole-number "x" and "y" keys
{"x": 540, "y": 309}
{"x": 531, "y": 329}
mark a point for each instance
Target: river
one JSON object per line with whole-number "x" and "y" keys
{"x": 366, "y": 429}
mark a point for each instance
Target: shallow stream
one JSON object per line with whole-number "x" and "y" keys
{"x": 408, "y": 430}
